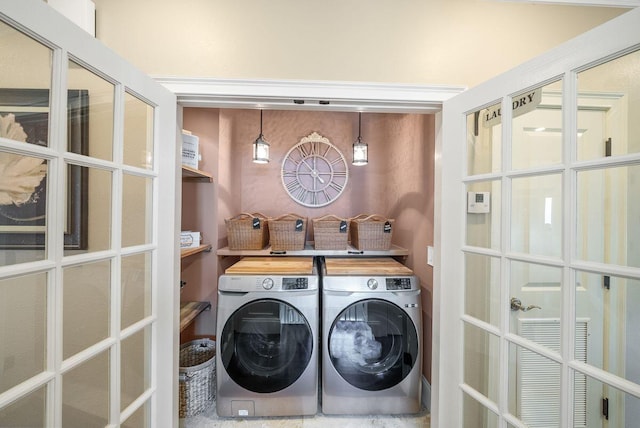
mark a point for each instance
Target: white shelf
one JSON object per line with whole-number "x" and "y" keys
{"x": 395, "y": 251}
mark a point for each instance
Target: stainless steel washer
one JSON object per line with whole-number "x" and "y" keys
{"x": 371, "y": 337}
{"x": 267, "y": 336}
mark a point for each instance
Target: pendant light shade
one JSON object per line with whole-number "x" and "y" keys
{"x": 260, "y": 147}
{"x": 360, "y": 149}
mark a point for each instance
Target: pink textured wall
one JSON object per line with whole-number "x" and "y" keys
{"x": 397, "y": 182}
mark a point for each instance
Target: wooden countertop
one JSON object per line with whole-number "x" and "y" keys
{"x": 385, "y": 266}
{"x": 272, "y": 266}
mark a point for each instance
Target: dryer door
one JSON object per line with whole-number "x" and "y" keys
{"x": 373, "y": 344}
{"x": 266, "y": 345}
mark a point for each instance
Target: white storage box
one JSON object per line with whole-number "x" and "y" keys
{"x": 189, "y": 239}
{"x": 190, "y": 150}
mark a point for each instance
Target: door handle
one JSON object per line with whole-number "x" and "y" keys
{"x": 516, "y": 305}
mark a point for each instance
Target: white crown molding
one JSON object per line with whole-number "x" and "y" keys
{"x": 316, "y": 95}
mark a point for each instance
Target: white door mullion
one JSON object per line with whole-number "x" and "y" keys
{"x": 116, "y": 265}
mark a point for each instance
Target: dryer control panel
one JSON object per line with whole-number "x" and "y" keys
{"x": 300, "y": 283}
{"x": 398, "y": 283}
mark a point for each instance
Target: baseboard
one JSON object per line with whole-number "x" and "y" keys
{"x": 426, "y": 394}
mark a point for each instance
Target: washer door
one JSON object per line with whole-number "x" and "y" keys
{"x": 266, "y": 345}
{"x": 373, "y": 344}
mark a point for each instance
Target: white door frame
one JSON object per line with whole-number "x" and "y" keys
{"x": 616, "y": 36}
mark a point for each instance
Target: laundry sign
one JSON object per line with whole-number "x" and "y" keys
{"x": 522, "y": 104}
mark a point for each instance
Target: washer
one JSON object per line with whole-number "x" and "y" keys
{"x": 371, "y": 336}
{"x": 267, "y": 334}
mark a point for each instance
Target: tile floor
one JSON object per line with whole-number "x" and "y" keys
{"x": 209, "y": 419}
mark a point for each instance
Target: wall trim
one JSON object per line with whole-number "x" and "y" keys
{"x": 426, "y": 394}
{"x": 311, "y": 95}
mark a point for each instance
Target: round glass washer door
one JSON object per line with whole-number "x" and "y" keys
{"x": 373, "y": 344}
{"x": 266, "y": 345}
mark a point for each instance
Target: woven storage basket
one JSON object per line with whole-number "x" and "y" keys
{"x": 287, "y": 232}
{"x": 247, "y": 231}
{"x": 197, "y": 378}
{"x": 330, "y": 233}
{"x": 371, "y": 232}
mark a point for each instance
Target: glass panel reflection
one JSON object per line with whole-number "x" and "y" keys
{"x": 484, "y": 141}
{"x": 136, "y": 288}
{"x": 93, "y": 110}
{"x": 597, "y": 399}
{"x": 138, "y": 132}
{"x": 538, "y": 289}
{"x": 85, "y": 306}
{"x": 476, "y": 415}
{"x": 612, "y": 92}
{"x": 481, "y": 361}
{"x": 483, "y": 214}
{"x": 537, "y": 127}
{"x": 23, "y": 328}
{"x": 534, "y": 388}
{"x": 27, "y": 412}
{"x": 88, "y": 213}
{"x": 23, "y": 208}
{"x": 136, "y": 209}
{"x": 608, "y": 210}
{"x": 135, "y": 364}
{"x": 482, "y": 288}
{"x": 607, "y": 321}
{"x": 536, "y": 215}
{"x": 85, "y": 394}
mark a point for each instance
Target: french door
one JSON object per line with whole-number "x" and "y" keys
{"x": 88, "y": 286}
{"x": 538, "y": 279}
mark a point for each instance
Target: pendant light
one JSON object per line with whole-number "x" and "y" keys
{"x": 260, "y": 147}
{"x": 360, "y": 149}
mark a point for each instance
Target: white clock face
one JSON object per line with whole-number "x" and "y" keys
{"x": 314, "y": 172}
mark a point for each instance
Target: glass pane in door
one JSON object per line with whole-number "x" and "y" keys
{"x": 136, "y": 210}
{"x": 23, "y": 208}
{"x": 484, "y": 214}
{"x": 534, "y": 388}
{"x": 537, "y": 127}
{"x": 481, "y": 365}
{"x": 607, "y": 321}
{"x": 476, "y": 415}
{"x": 139, "y": 418}
{"x": 23, "y": 328}
{"x": 484, "y": 140}
{"x": 138, "y": 132}
{"x": 482, "y": 287}
{"x": 85, "y": 394}
{"x": 615, "y": 86}
{"x": 90, "y": 113}
{"x": 135, "y": 288}
{"x": 85, "y": 306}
{"x": 607, "y": 220}
{"x": 28, "y": 411}
{"x": 536, "y": 215}
{"x": 606, "y": 406}
{"x": 135, "y": 366}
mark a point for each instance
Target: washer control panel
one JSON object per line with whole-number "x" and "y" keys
{"x": 403, "y": 283}
{"x": 300, "y": 283}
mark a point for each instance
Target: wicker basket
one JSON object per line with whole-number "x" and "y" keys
{"x": 330, "y": 233}
{"x": 287, "y": 232}
{"x": 247, "y": 231}
{"x": 371, "y": 232}
{"x": 197, "y": 378}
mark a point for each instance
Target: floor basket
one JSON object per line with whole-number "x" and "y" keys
{"x": 197, "y": 378}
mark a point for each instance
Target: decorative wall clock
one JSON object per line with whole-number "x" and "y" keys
{"x": 314, "y": 172}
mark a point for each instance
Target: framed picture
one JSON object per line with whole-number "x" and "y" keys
{"x": 22, "y": 223}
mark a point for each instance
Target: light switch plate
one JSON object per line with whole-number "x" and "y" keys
{"x": 430, "y": 256}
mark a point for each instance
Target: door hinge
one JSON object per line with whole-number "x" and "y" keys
{"x": 607, "y": 147}
{"x": 606, "y": 282}
{"x": 605, "y": 408}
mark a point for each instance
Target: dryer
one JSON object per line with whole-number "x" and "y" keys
{"x": 267, "y": 338}
{"x": 371, "y": 337}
